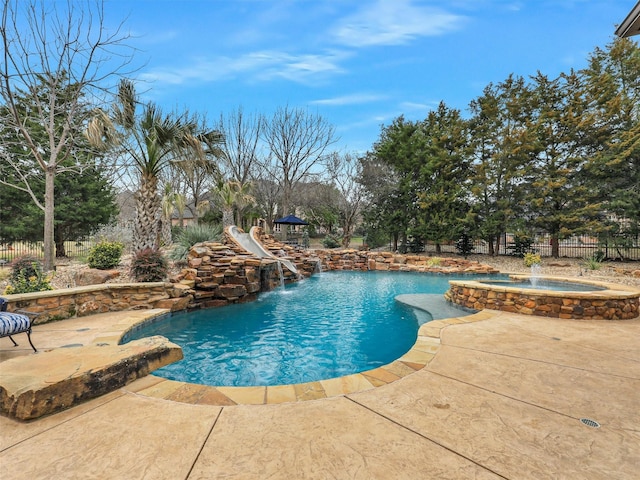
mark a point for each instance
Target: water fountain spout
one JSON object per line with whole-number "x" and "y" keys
{"x": 535, "y": 274}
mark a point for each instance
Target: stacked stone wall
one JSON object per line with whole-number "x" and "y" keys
{"x": 223, "y": 273}
{"x": 387, "y": 261}
{"x": 600, "y": 305}
{"x": 80, "y": 301}
{"x": 351, "y": 259}
{"x": 220, "y": 274}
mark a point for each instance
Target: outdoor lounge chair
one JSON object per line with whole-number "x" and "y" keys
{"x": 14, "y": 323}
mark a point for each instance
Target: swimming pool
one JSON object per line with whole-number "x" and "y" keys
{"x": 330, "y": 325}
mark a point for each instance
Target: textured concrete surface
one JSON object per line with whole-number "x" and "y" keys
{"x": 501, "y": 398}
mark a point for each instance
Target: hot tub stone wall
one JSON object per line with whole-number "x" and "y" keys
{"x": 582, "y": 306}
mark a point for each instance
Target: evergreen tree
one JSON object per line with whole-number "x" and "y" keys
{"x": 560, "y": 193}
{"x": 390, "y": 175}
{"x": 441, "y": 159}
{"x": 83, "y": 196}
{"x": 613, "y": 80}
{"x": 503, "y": 145}
{"x": 85, "y": 200}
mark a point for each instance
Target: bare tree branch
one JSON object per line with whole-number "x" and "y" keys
{"x": 56, "y": 57}
{"x": 298, "y": 141}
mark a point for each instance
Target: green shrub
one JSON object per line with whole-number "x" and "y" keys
{"x": 26, "y": 266}
{"x": 531, "y": 259}
{"x": 375, "y": 238}
{"x": 105, "y": 255}
{"x": 464, "y": 245}
{"x": 27, "y": 276}
{"x": 434, "y": 262}
{"x": 149, "y": 265}
{"x": 331, "y": 241}
{"x": 189, "y": 236}
{"x": 594, "y": 262}
{"x": 521, "y": 245}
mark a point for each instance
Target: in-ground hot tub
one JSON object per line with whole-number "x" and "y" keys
{"x": 551, "y": 297}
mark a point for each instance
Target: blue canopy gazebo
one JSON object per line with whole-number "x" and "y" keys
{"x": 290, "y": 220}
{"x": 293, "y": 221}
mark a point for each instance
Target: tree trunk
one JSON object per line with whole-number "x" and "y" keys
{"x": 491, "y": 248}
{"x": 166, "y": 231}
{"x": 347, "y": 228}
{"x": 145, "y": 231}
{"x": 346, "y": 240}
{"x": 49, "y": 209}
{"x": 438, "y": 248}
{"x": 60, "y": 250}
{"x": 555, "y": 247}
{"x": 227, "y": 217}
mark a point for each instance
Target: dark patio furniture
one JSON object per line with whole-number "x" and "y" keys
{"x": 14, "y": 323}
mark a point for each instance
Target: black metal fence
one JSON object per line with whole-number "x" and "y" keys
{"x": 9, "y": 251}
{"x": 575, "y": 247}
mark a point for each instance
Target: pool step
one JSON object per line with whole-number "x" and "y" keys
{"x": 434, "y": 305}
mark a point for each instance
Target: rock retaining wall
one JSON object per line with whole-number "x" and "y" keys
{"x": 616, "y": 303}
{"x": 80, "y": 301}
{"x": 351, "y": 259}
{"x": 220, "y": 276}
{"x": 387, "y": 261}
{"x": 223, "y": 273}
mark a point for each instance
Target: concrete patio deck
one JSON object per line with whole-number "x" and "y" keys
{"x": 502, "y": 398}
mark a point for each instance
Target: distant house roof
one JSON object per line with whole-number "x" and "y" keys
{"x": 630, "y": 25}
{"x": 186, "y": 214}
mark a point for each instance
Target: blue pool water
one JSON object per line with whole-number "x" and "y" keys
{"x": 330, "y": 325}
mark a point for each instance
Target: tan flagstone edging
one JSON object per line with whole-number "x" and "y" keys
{"x": 423, "y": 351}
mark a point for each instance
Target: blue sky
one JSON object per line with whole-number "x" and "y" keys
{"x": 358, "y": 63}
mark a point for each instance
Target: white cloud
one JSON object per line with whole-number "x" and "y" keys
{"x": 155, "y": 38}
{"x": 515, "y": 6}
{"x": 394, "y": 22}
{"x": 418, "y": 107}
{"x": 354, "y": 99}
{"x": 306, "y": 68}
{"x": 262, "y": 65}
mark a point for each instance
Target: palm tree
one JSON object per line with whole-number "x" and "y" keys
{"x": 171, "y": 201}
{"x": 232, "y": 195}
{"x": 244, "y": 199}
{"x": 225, "y": 195}
{"x": 197, "y": 173}
{"x": 148, "y": 142}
